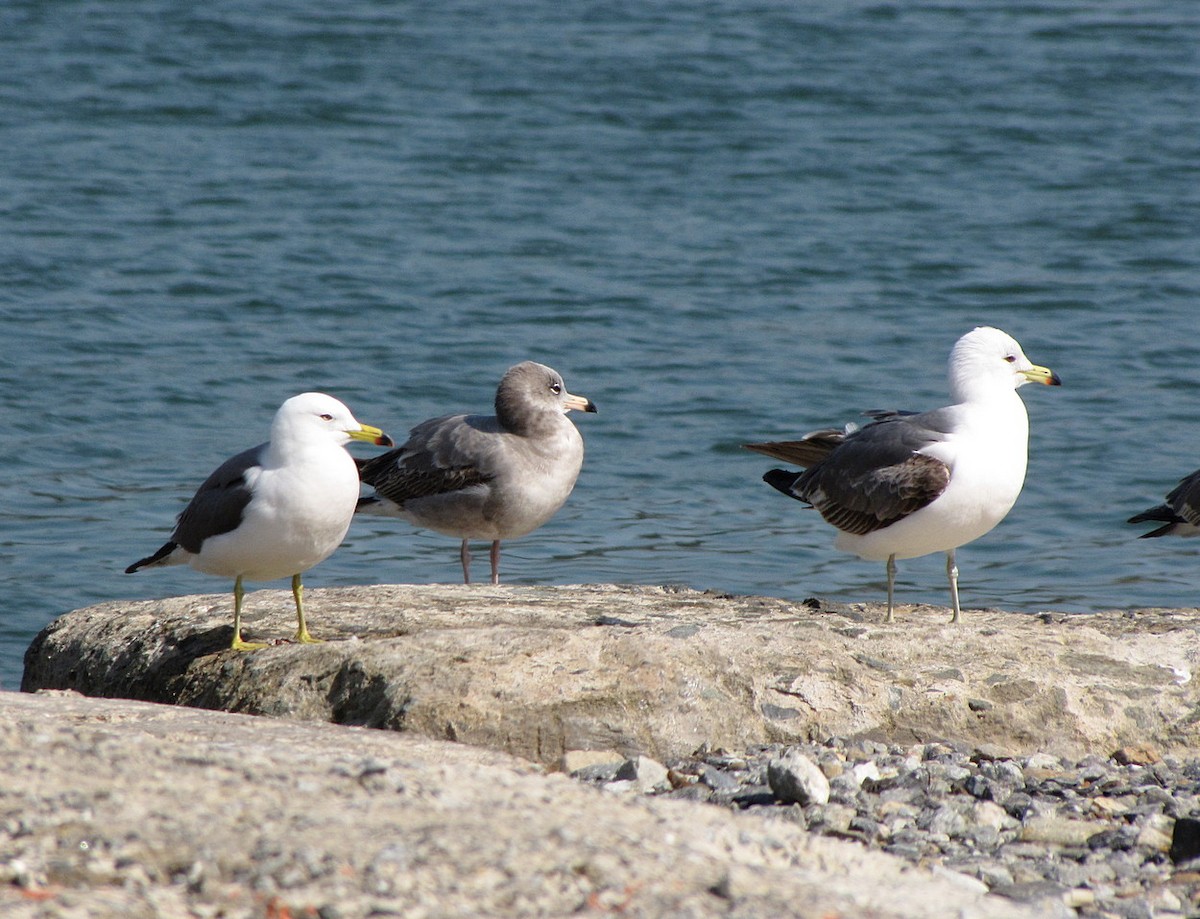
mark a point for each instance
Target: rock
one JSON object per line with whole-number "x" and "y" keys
{"x": 539, "y": 671}
{"x": 1060, "y": 831}
{"x": 576, "y": 760}
{"x": 1185, "y": 840}
{"x": 113, "y": 808}
{"x": 645, "y": 773}
{"x": 1136, "y": 754}
{"x": 794, "y": 778}
{"x": 1154, "y": 837}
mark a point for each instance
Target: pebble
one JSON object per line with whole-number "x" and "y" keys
{"x": 794, "y": 778}
{"x": 1113, "y": 837}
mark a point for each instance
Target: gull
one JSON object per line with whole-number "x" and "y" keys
{"x": 488, "y": 477}
{"x": 276, "y": 509}
{"x": 1179, "y": 515}
{"x": 910, "y": 484}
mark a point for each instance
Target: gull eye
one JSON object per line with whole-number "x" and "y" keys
{"x": 556, "y": 388}
{"x": 326, "y": 417}
{"x": 1011, "y": 358}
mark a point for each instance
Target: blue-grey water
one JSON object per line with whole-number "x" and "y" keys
{"x": 722, "y": 221}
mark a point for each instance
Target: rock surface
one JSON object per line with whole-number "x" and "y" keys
{"x": 539, "y": 671}
{"x": 116, "y": 808}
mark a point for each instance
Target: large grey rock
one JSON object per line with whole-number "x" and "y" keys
{"x": 539, "y": 671}
{"x": 124, "y": 809}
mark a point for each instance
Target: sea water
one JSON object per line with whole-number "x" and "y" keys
{"x": 722, "y": 221}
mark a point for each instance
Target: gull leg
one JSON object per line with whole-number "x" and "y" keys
{"x": 465, "y": 554}
{"x": 952, "y": 575}
{"x": 495, "y": 561}
{"x": 301, "y": 627}
{"x": 237, "y": 644}
{"x": 891, "y": 575}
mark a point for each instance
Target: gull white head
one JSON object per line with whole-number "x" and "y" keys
{"x": 314, "y": 417}
{"x": 987, "y": 361}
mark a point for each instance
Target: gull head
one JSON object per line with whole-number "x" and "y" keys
{"x": 314, "y": 417}
{"x": 987, "y": 361}
{"x": 530, "y": 388}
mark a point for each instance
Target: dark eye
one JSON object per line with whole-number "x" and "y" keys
{"x": 327, "y": 417}
{"x": 556, "y": 388}
{"x": 1011, "y": 358}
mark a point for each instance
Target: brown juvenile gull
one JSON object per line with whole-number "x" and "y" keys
{"x": 1179, "y": 515}
{"x": 909, "y": 484}
{"x": 276, "y": 509}
{"x": 489, "y": 477}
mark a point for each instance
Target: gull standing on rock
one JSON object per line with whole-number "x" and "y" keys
{"x": 276, "y": 509}
{"x": 489, "y": 477}
{"x": 908, "y": 484}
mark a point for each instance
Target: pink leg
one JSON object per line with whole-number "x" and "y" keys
{"x": 465, "y": 555}
{"x": 496, "y": 562}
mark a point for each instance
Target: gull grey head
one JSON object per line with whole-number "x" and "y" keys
{"x": 529, "y": 390}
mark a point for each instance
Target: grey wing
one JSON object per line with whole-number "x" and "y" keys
{"x": 218, "y": 504}
{"x": 441, "y": 455}
{"x": 876, "y": 476}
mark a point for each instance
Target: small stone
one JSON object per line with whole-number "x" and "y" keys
{"x": 794, "y": 777}
{"x": 1019, "y": 805}
{"x": 574, "y": 760}
{"x": 681, "y": 779}
{"x": 1151, "y": 837}
{"x": 1079, "y": 898}
{"x": 836, "y": 818}
{"x": 831, "y": 764}
{"x": 990, "y": 752}
{"x": 863, "y": 772}
{"x": 716, "y": 779}
{"x": 1060, "y": 831}
{"x": 990, "y": 814}
{"x": 1044, "y": 761}
{"x": 647, "y": 774}
{"x": 1185, "y": 840}
{"x": 1105, "y": 806}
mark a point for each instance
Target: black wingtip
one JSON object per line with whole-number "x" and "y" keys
{"x": 1161, "y": 514}
{"x": 783, "y": 480}
{"x": 166, "y": 549}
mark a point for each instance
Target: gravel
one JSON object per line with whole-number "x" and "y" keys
{"x": 1107, "y": 837}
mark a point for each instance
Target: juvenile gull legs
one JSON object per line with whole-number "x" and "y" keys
{"x": 490, "y": 477}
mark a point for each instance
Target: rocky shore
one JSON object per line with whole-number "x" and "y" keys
{"x": 732, "y": 756}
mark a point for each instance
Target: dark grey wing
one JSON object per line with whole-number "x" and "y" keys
{"x": 218, "y": 504}
{"x": 435, "y": 460}
{"x": 1184, "y": 498}
{"x": 875, "y": 477}
{"x": 1181, "y": 507}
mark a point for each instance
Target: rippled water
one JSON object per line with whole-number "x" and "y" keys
{"x": 722, "y": 222}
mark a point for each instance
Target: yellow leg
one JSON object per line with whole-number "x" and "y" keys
{"x": 301, "y": 629}
{"x": 238, "y": 644}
